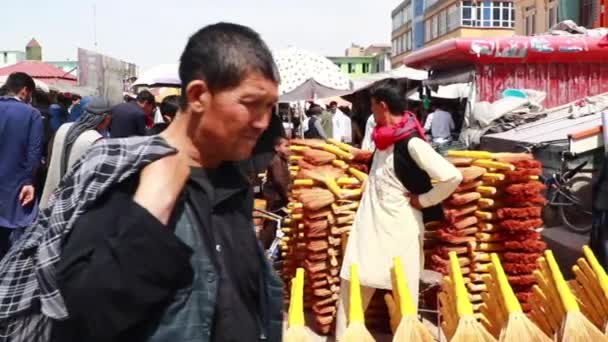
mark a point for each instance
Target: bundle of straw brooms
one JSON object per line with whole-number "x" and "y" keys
{"x": 328, "y": 177}
{"x": 497, "y": 208}
{"x": 572, "y": 311}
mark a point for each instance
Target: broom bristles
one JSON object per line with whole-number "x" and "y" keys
{"x": 577, "y": 328}
{"x": 469, "y": 330}
{"x": 357, "y": 332}
{"x": 297, "y": 334}
{"x": 519, "y": 329}
{"x": 411, "y": 329}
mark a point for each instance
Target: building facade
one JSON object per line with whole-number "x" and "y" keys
{"x": 538, "y": 16}
{"x": 11, "y": 57}
{"x": 359, "y": 62}
{"x": 420, "y": 23}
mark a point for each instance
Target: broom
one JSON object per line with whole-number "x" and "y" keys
{"x": 518, "y": 328}
{"x": 356, "y": 331}
{"x": 297, "y": 332}
{"x": 410, "y": 328}
{"x": 327, "y": 175}
{"x": 468, "y": 329}
{"x": 575, "y": 327}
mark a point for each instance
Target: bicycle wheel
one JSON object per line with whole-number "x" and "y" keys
{"x": 577, "y": 216}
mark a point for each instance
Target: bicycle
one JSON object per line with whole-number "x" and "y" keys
{"x": 562, "y": 188}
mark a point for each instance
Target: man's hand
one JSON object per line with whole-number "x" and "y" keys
{"x": 415, "y": 201}
{"x": 160, "y": 185}
{"x": 26, "y": 196}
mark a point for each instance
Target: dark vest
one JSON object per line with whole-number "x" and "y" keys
{"x": 414, "y": 179}
{"x": 312, "y": 132}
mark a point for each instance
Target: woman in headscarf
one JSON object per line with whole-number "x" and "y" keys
{"x": 72, "y": 140}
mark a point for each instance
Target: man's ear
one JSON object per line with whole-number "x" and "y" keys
{"x": 198, "y": 96}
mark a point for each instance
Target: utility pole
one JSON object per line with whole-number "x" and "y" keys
{"x": 95, "y": 26}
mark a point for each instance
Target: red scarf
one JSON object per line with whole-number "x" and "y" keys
{"x": 385, "y": 136}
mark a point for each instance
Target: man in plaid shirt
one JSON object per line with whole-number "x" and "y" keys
{"x": 151, "y": 238}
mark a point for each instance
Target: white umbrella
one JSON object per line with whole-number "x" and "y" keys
{"x": 39, "y": 84}
{"x": 451, "y": 91}
{"x": 162, "y": 74}
{"x": 301, "y": 69}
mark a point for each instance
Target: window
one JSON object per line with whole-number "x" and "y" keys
{"x": 488, "y": 14}
{"x": 352, "y": 68}
{"x": 395, "y": 46}
{"x": 552, "y": 13}
{"x": 468, "y": 17}
{"x": 407, "y": 14}
{"x": 442, "y": 25}
{"x": 529, "y": 20}
{"x": 434, "y": 27}
{"x": 427, "y": 30}
{"x": 5, "y": 57}
{"x": 408, "y": 41}
{"x": 365, "y": 68}
{"x": 453, "y": 19}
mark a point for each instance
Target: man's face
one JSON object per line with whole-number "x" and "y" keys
{"x": 149, "y": 108}
{"x": 25, "y": 95}
{"x": 381, "y": 112}
{"x": 283, "y": 148}
{"x": 333, "y": 108}
{"x": 233, "y": 119}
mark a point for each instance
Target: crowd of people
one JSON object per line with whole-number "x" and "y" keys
{"x": 55, "y": 135}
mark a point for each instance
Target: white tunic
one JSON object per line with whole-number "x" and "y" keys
{"x": 80, "y": 146}
{"x": 387, "y": 226}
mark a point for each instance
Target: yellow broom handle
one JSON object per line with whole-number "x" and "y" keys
{"x": 296, "y": 309}
{"x": 361, "y": 176}
{"x": 511, "y": 302}
{"x": 355, "y": 304}
{"x": 406, "y": 304}
{"x": 597, "y": 268}
{"x": 463, "y": 306}
{"x": 568, "y": 300}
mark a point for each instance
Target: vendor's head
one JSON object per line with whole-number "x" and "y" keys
{"x": 229, "y": 88}
{"x": 20, "y": 85}
{"x": 388, "y": 103}
{"x": 145, "y": 99}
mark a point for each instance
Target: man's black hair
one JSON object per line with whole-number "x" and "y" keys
{"x": 333, "y": 103}
{"x": 19, "y": 80}
{"x": 145, "y": 96}
{"x": 170, "y": 105}
{"x": 222, "y": 55}
{"x": 279, "y": 139}
{"x": 390, "y": 92}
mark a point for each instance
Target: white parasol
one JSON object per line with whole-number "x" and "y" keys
{"x": 306, "y": 75}
{"x": 160, "y": 75}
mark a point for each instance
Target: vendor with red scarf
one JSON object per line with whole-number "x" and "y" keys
{"x": 398, "y": 199}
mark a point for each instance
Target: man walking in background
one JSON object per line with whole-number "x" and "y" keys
{"x": 341, "y": 124}
{"x": 21, "y": 135}
{"x": 131, "y": 118}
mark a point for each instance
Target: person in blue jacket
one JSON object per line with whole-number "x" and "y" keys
{"x": 21, "y": 135}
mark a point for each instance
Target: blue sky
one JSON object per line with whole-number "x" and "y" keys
{"x": 154, "y": 31}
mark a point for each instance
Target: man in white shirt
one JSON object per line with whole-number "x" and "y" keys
{"x": 368, "y": 142}
{"x": 342, "y": 126}
{"x": 440, "y": 124}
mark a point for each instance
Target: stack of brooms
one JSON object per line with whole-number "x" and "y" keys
{"x": 328, "y": 177}
{"x": 497, "y": 208}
